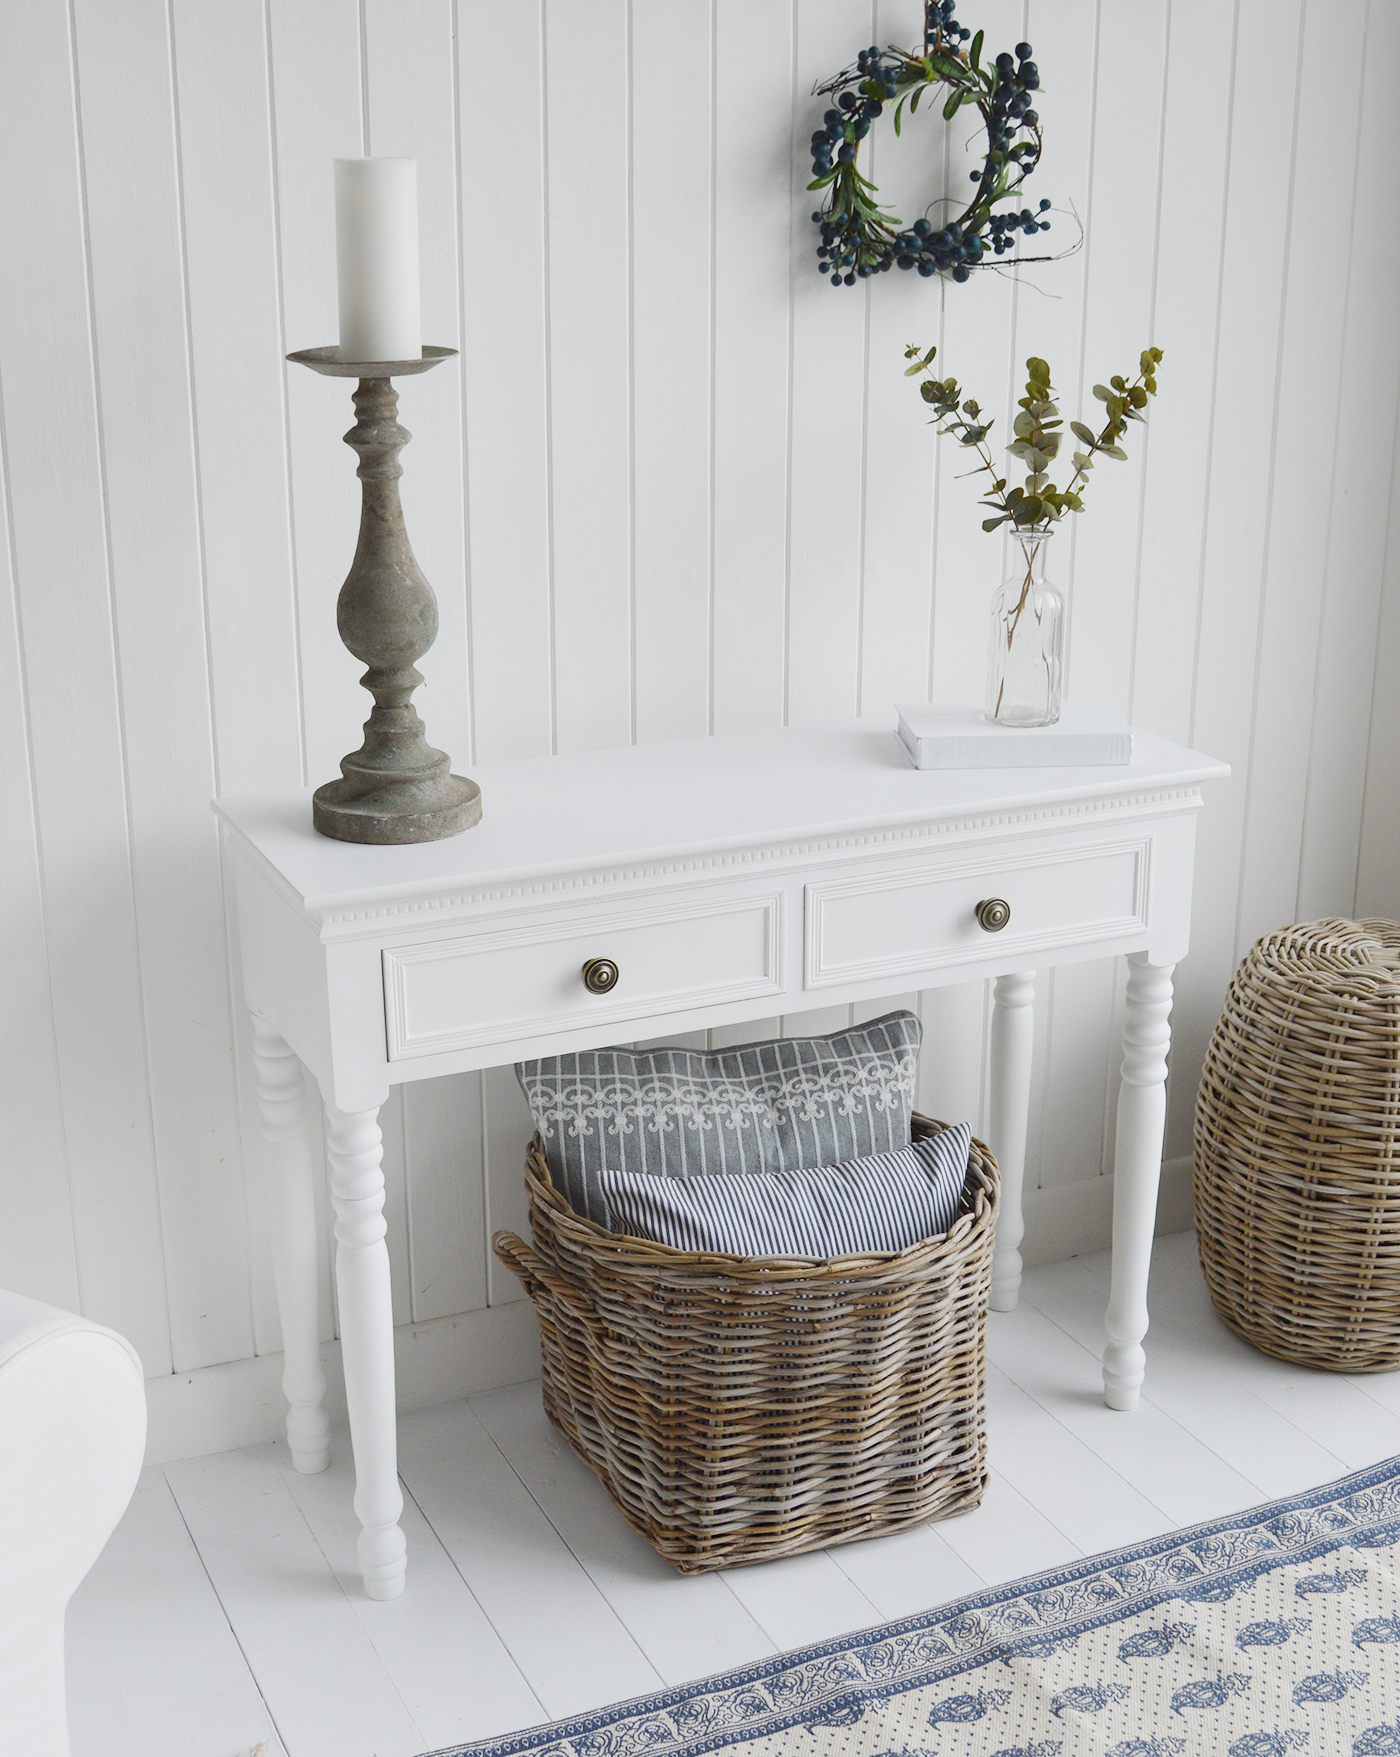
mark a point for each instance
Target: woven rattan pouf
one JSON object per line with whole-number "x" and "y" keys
{"x": 1297, "y": 1148}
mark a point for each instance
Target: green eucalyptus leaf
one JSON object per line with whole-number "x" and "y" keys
{"x": 1082, "y": 461}
{"x": 1102, "y": 392}
{"x": 1080, "y": 431}
{"x": 1038, "y": 370}
{"x": 1114, "y": 451}
{"x": 991, "y": 524}
{"x": 1024, "y": 426}
{"x": 1074, "y": 501}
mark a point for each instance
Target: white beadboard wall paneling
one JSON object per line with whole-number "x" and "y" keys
{"x": 59, "y": 548}
{"x": 1307, "y": 423}
{"x": 446, "y": 1196}
{"x": 896, "y": 597}
{"x": 410, "y": 86}
{"x": 1252, "y": 281}
{"x": 153, "y": 535}
{"x": 588, "y": 54}
{"x": 753, "y": 143}
{"x": 318, "y": 115}
{"x": 1185, "y": 319}
{"x": 233, "y": 302}
{"x": 502, "y": 129}
{"x": 829, "y": 330}
{"x": 228, "y": 209}
{"x": 1348, "y": 677}
{"x": 36, "y": 1246}
{"x": 672, "y": 260}
{"x": 975, "y": 346}
{"x": 675, "y": 483}
{"x": 1378, "y": 869}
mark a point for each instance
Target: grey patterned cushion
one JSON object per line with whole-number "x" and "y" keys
{"x": 783, "y": 1105}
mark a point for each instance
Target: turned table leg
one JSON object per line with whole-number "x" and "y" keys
{"x": 292, "y": 1214}
{"x": 1013, "y": 1034}
{"x": 1137, "y": 1170}
{"x": 355, "y": 1151}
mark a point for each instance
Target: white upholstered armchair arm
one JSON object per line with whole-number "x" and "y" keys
{"x": 72, "y": 1434}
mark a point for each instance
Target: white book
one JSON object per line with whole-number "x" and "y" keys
{"x": 934, "y": 735}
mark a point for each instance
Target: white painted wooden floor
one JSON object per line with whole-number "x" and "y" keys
{"x": 225, "y": 1616}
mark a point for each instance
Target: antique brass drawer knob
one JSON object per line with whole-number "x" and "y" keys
{"x": 993, "y": 914}
{"x": 600, "y": 975}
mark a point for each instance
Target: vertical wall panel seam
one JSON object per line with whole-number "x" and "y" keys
{"x": 548, "y": 374}
{"x": 793, "y": 100}
{"x": 1086, "y": 230}
{"x": 203, "y": 552}
{"x": 1386, "y": 552}
{"x": 863, "y": 504}
{"x": 7, "y": 503}
{"x": 1267, "y": 556}
{"x": 89, "y": 293}
{"x": 1226, "y": 173}
{"x": 629, "y": 147}
{"x": 287, "y": 467}
{"x": 1151, "y": 342}
{"x": 714, "y": 353}
{"x": 457, "y": 196}
{"x": 362, "y": 43}
{"x": 1332, "y": 473}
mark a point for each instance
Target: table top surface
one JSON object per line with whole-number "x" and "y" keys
{"x": 690, "y": 796}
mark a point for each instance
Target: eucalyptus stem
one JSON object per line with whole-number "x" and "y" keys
{"x": 1038, "y": 431}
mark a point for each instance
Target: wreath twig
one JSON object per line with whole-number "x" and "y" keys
{"x": 858, "y": 237}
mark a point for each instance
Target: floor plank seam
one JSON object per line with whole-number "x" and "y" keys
{"x": 471, "y": 1593}
{"x": 582, "y": 1565}
{"x": 223, "y": 1611}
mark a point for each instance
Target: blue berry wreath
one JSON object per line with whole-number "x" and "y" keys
{"x": 858, "y": 237}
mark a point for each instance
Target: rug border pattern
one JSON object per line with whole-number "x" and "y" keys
{"x": 813, "y": 1683}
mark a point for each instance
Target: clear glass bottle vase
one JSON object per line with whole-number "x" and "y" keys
{"x": 1025, "y": 651}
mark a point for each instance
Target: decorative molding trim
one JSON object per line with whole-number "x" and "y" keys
{"x": 573, "y": 936}
{"x": 240, "y": 1403}
{"x": 337, "y": 922}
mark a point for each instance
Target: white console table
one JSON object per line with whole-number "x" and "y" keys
{"x": 728, "y": 878}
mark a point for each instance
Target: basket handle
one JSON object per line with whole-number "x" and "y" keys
{"x": 530, "y": 1266}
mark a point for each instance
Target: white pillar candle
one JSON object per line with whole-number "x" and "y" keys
{"x": 376, "y": 251}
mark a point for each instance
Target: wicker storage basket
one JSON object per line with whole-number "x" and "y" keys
{"x": 739, "y": 1408}
{"x": 1297, "y": 1148}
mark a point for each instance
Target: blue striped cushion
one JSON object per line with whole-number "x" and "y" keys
{"x": 884, "y": 1202}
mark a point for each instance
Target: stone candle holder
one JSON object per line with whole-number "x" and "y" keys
{"x": 395, "y": 787}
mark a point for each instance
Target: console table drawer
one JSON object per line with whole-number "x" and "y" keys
{"x": 908, "y": 920}
{"x": 499, "y": 985}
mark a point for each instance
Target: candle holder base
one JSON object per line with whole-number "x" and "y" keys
{"x": 395, "y": 788}
{"x": 385, "y": 816}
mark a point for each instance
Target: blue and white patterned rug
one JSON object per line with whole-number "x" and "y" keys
{"x": 1271, "y": 1631}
